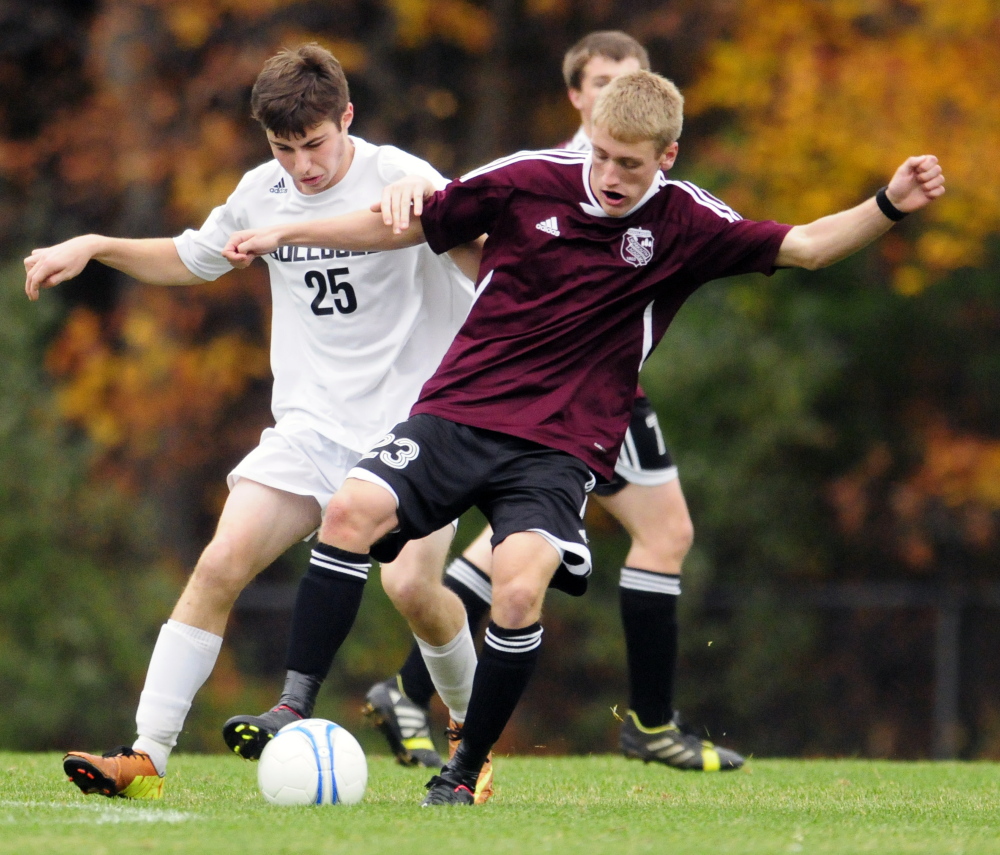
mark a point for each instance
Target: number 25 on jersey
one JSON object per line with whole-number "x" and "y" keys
{"x": 342, "y": 296}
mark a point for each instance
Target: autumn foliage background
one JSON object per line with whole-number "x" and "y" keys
{"x": 831, "y": 428}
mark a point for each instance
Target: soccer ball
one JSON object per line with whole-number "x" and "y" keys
{"x": 312, "y": 762}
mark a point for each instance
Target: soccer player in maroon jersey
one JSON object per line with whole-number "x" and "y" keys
{"x": 644, "y": 495}
{"x": 589, "y": 257}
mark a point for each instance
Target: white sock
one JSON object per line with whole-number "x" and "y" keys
{"x": 182, "y": 659}
{"x": 452, "y": 668}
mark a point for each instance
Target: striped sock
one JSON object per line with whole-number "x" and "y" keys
{"x": 505, "y": 666}
{"x": 649, "y": 616}
{"x": 473, "y": 587}
{"x": 326, "y": 605}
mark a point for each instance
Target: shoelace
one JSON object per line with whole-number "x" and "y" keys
{"x": 120, "y": 751}
{"x": 281, "y": 707}
{"x": 438, "y": 780}
{"x": 434, "y": 781}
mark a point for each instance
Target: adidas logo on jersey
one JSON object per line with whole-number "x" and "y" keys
{"x": 279, "y": 187}
{"x": 551, "y": 226}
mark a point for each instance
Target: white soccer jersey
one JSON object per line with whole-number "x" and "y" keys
{"x": 580, "y": 141}
{"x": 353, "y": 335}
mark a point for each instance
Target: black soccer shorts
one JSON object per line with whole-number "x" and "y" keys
{"x": 644, "y": 459}
{"x": 437, "y": 469}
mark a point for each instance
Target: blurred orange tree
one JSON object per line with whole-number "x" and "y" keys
{"x": 828, "y": 98}
{"x": 821, "y": 102}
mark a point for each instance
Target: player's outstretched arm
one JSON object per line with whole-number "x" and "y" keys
{"x": 151, "y": 260}
{"x": 360, "y": 231}
{"x": 917, "y": 182}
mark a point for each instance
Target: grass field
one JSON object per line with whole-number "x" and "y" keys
{"x": 604, "y": 805}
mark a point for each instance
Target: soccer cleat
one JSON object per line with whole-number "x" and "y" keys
{"x": 675, "y": 746}
{"x": 484, "y": 783}
{"x": 402, "y": 723}
{"x": 247, "y": 735}
{"x": 441, "y": 791}
{"x": 121, "y": 773}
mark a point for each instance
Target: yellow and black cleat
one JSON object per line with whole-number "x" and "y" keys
{"x": 673, "y": 745}
{"x": 403, "y": 724}
{"x": 247, "y": 735}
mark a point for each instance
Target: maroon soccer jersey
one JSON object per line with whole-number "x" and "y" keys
{"x": 570, "y": 300}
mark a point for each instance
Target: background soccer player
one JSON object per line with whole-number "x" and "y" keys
{"x": 345, "y": 369}
{"x": 536, "y": 389}
{"x": 644, "y": 495}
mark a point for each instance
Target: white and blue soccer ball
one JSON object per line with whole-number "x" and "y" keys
{"x": 312, "y": 762}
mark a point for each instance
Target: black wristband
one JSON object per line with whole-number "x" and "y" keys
{"x": 886, "y": 207}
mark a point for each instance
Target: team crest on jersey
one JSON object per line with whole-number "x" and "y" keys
{"x": 637, "y": 247}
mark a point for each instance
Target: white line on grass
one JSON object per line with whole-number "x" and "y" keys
{"x": 103, "y": 814}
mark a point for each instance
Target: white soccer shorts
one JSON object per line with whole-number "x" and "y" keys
{"x": 298, "y": 460}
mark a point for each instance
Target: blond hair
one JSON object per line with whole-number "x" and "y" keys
{"x": 640, "y": 106}
{"x": 611, "y": 44}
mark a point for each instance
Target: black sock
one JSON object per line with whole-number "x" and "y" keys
{"x": 649, "y": 617}
{"x": 505, "y": 666}
{"x": 474, "y": 590}
{"x": 300, "y": 693}
{"x": 414, "y": 681}
{"x": 473, "y": 587}
{"x": 326, "y": 605}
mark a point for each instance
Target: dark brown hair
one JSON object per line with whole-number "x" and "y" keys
{"x": 297, "y": 89}
{"x": 613, "y": 44}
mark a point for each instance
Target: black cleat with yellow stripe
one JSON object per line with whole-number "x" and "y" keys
{"x": 404, "y": 724}
{"x": 673, "y": 745}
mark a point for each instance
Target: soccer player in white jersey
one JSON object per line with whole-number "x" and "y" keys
{"x": 354, "y": 335}
{"x": 644, "y": 495}
{"x": 528, "y": 404}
